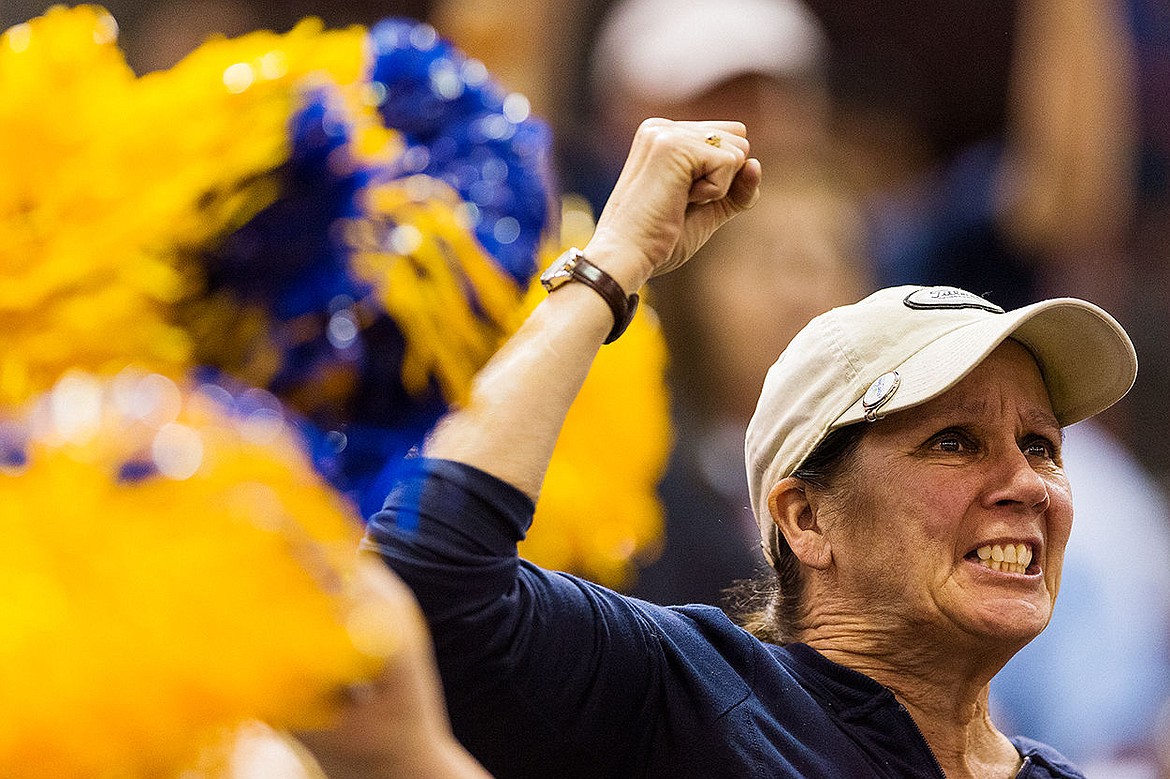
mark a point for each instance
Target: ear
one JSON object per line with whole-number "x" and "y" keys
{"x": 795, "y": 515}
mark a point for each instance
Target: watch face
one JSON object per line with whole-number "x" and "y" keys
{"x": 559, "y": 272}
{"x": 552, "y": 270}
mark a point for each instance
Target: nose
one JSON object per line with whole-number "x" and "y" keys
{"x": 1015, "y": 483}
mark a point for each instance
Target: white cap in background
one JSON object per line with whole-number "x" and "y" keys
{"x": 671, "y": 50}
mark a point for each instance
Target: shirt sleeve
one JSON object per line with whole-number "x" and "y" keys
{"x": 527, "y": 656}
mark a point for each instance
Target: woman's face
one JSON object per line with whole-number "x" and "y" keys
{"x": 959, "y": 509}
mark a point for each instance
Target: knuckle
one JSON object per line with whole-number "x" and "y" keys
{"x": 659, "y": 138}
{"x": 657, "y": 133}
{"x": 653, "y": 123}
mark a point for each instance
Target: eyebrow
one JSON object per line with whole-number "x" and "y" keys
{"x": 1036, "y": 418}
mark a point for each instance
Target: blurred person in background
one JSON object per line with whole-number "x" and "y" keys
{"x": 797, "y": 252}
{"x": 1150, "y": 309}
{"x": 793, "y": 256}
{"x": 762, "y": 61}
{"x": 992, "y": 145}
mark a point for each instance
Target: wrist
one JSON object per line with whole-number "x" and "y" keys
{"x": 574, "y": 266}
{"x": 629, "y": 269}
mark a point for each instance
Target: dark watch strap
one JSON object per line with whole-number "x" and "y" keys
{"x": 623, "y": 307}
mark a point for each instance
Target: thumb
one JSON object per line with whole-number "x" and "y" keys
{"x": 745, "y": 188}
{"x": 703, "y": 219}
{"x": 743, "y": 193}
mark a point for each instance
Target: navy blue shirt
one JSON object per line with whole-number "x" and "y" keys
{"x": 549, "y": 675}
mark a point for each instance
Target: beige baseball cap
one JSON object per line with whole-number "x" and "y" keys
{"x": 902, "y": 346}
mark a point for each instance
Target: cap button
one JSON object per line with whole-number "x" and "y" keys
{"x": 882, "y": 389}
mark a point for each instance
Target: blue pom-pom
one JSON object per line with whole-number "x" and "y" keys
{"x": 340, "y": 353}
{"x": 286, "y": 257}
{"x": 429, "y": 84}
{"x": 461, "y": 127}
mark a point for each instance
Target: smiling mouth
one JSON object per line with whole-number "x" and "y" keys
{"x": 1009, "y": 558}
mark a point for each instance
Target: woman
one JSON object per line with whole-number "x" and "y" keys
{"x": 904, "y": 466}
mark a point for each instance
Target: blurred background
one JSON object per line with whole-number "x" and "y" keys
{"x": 1016, "y": 148}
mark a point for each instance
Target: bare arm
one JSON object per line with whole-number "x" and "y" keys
{"x": 675, "y": 190}
{"x": 1068, "y": 170}
{"x": 395, "y": 727}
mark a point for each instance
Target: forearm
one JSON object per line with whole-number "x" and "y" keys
{"x": 680, "y": 183}
{"x": 520, "y": 399}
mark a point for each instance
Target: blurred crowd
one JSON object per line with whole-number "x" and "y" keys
{"x": 1019, "y": 149}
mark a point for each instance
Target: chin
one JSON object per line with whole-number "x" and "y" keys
{"x": 1010, "y": 624}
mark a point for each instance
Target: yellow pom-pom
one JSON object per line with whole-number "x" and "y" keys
{"x": 75, "y": 232}
{"x": 172, "y": 568}
{"x": 225, "y": 91}
{"x": 111, "y": 182}
{"x": 599, "y": 514}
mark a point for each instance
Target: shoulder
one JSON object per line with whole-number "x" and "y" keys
{"x": 697, "y": 630}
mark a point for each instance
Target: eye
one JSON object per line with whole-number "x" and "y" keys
{"x": 953, "y": 441}
{"x": 1039, "y": 446}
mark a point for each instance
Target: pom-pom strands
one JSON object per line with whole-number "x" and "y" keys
{"x": 110, "y": 179}
{"x": 223, "y": 117}
{"x": 463, "y": 128}
{"x": 172, "y": 568}
{"x": 235, "y": 193}
{"x": 77, "y": 225}
{"x": 451, "y": 302}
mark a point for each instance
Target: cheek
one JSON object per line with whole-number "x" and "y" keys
{"x": 925, "y": 513}
{"x": 944, "y": 504}
{"x": 1059, "y": 521}
{"x": 902, "y": 520}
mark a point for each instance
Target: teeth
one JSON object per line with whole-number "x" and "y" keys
{"x": 1013, "y": 558}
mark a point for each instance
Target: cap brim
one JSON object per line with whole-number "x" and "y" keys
{"x": 1086, "y": 359}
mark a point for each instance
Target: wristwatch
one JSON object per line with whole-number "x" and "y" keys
{"x": 572, "y": 266}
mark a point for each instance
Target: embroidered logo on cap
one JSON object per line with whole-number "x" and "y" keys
{"x": 948, "y": 297}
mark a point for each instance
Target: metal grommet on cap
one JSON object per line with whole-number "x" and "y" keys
{"x": 882, "y": 389}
